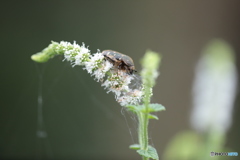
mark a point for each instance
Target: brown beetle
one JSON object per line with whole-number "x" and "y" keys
{"x": 119, "y": 60}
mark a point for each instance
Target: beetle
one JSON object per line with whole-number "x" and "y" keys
{"x": 119, "y": 60}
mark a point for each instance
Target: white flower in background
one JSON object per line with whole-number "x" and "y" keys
{"x": 214, "y": 89}
{"x": 113, "y": 79}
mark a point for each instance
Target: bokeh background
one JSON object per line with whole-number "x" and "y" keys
{"x": 82, "y": 121}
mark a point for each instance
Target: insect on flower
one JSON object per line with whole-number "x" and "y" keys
{"x": 119, "y": 60}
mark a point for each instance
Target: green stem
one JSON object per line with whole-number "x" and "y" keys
{"x": 143, "y": 126}
{"x": 140, "y": 129}
{"x": 145, "y": 133}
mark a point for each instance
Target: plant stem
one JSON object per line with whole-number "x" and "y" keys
{"x": 143, "y": 132}
{"x": 143, "y": 129}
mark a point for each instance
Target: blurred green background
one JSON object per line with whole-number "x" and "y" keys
{"x": 82, "y": 121}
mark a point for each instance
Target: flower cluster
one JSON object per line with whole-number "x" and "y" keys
{"x": 74, "y": 53}
{"x": 113, "y": 79}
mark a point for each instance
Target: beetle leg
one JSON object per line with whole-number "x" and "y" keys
{"x": 127, "y": 69}
{"x": 119, "y": 67}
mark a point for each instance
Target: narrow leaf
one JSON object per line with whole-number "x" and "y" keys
{"x": 135, "y": 146}
{"x": 152, "y": 108}
{"x": 151, "y": 116}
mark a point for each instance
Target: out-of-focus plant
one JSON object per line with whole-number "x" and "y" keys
{"x": 116, "y": 79}
{"x": 213, "y": 100}
{"x": 150, "y": 63}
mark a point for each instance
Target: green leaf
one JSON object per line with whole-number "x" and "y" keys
{"x": 150, "y": 153}
{"x": 143, "y": 153}
{"x": 156, "y": 107}
{"x": 132, "y": 108}
{"x": 135, "y": 146}
{"x": 151, "y": 108}
{"x": 151, "y": 116}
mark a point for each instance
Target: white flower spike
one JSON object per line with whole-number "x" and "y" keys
{"x": 113, "y": 79}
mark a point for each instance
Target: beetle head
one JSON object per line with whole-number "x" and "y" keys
{"x": 131, "y": 69}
